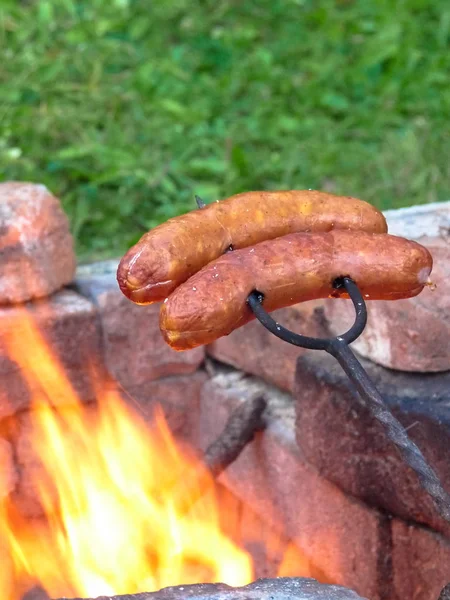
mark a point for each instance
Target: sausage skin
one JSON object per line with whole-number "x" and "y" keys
{"x": 172, "y": 252}
{"x": 289, "y": 270}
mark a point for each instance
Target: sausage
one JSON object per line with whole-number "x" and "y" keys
{"x": 289, "y": 270}
{"x": 172, "y": 252}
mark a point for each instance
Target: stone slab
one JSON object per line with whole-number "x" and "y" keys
{"x": 338, "y": 435}
{"x": 263, "y": 589}
{"x": 414, "y": 222}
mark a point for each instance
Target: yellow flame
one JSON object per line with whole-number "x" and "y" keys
{"x": 126, "y": 510}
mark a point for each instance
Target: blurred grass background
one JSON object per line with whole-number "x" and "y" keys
{"x": 126, "y": 108}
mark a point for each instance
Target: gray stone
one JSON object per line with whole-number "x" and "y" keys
{"x": 263, "y": 589}
{"x": 273, "y": 477}
{"x": 338, "y": 435}
{"x": 36, "y": 248}
{"x": 94, "y": 278}
{"x": 414, "y": 222}
{"x": 254, "y": 350}
{"x": 135, "y": 352}
{"x": 68, "y": 324}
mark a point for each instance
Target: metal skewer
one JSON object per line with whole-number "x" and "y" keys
{"x": 339, "y": 348}
{"x": 200, "y": 202}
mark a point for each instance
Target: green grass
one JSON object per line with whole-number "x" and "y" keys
{"x": 126, "y": 108}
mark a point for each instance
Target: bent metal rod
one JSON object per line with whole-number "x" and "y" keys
{"x": 339, "y": 348}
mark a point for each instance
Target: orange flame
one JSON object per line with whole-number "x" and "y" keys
{"x": 126, "y": 510}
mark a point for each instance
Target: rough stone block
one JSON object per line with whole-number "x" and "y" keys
{"x": 420, "y": 561}
{"x": 413, "y": 334}
{"x": 135, "y": 352}
{"x": 338, "y": 435}
{"x": 68, "y": 323}
{"x": 344, "y": 540}
{"x": 36, "y": 247}
{"x": 254, "y": 350}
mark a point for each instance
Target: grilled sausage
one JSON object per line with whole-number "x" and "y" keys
{"x": 172, "y": 252}
{"x": 289, "y": 270}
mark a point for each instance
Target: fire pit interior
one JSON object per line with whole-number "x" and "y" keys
{"x": 127, "y": 467}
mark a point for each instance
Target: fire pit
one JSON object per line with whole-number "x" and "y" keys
{"x": 249, "y": 443}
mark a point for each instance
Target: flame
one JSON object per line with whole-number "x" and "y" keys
{"x": 127, "y": 508}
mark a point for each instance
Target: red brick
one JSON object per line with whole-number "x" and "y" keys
{"x": 344, "y": 540}
{"x": 421, "y": 562}
{"x": 413, "y": 334}
{"x": 69, "y": 325}
{"x": 254, "y": 350}
{"x": 36, "y": 247}
{"x": 135, "y": 352}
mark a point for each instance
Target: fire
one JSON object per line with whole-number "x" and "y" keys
{"x": 127, "y": 508}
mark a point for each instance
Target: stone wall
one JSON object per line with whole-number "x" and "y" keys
{"x": 322, "y": 474}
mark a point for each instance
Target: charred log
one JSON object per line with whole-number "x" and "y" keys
{"x": 242, "y": 425}
{"x": 239, "y": 430}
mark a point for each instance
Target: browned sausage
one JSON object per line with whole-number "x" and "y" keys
{"x": 288, "y": 270}
{"x": 172, "y": 252}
